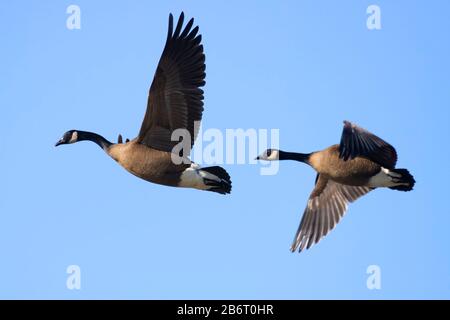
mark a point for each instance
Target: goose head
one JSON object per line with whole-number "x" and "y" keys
{"x": 269, "y": 155}
{"x": 70, "y": 136}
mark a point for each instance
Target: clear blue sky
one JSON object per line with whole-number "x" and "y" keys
{"x": 300, "y": 66}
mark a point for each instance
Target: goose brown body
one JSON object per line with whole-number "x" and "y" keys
{"x": 147, "y": 163}
{"x": 353, "y": 172}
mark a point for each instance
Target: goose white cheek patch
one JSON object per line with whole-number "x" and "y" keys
{"x": 74, "y": 137}
{"x": 274, "y": 155}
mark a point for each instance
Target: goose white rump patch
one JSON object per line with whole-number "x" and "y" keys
{"x": 193, "y": 176}
{"x": 385, "y": 178}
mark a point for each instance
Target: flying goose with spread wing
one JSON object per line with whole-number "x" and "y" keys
{"x": 175, "y": 102}
{"x": 345, "y": 172}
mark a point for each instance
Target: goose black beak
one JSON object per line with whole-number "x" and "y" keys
{"x": 61, "y": 141}
{"x": 257, "y": 158}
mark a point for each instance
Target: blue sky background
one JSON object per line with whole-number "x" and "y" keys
{"x": 300, "y": 66}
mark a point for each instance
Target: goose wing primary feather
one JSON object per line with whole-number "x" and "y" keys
{"x": 175, "y": 99}
{"x": 327, "y": 204}
{"x": 356, "y": 141}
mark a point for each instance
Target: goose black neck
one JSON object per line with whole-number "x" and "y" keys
{"x": 91, "y": 136}
{"x": 301, "y": 157}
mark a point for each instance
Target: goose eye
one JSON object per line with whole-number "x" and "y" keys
{"x": 268, "y": 152}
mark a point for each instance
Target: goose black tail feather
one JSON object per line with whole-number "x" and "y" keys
{"x": 224, "y": 185}
{"x": 406, "y": 178}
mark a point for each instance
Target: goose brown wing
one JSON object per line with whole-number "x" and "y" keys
{"x": 175, "y": 99}
{"x": 327, "y": 204}
{"x": 356, "y": 141}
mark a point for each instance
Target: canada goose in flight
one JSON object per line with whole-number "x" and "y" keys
{"x": 345, "y": 172}
{"x": 175, "y": 101}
